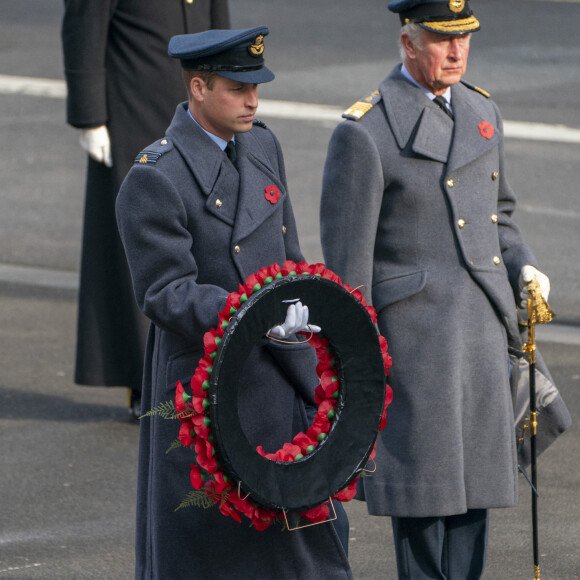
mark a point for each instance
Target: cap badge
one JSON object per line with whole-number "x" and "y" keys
{"x": 257, "y": 48}
{"x": 456, "y": 5}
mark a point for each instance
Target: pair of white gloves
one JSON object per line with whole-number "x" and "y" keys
{"x": 297, "y": 313}
{"x": 97, "y": 143}
{"x": 296, "y": 321}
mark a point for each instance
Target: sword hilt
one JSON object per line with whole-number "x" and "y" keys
{"x": 539, "y": 311}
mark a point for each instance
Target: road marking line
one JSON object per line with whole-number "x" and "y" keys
{"x": 301, "y": 111}
{"x": 541, "y": 132}
{"x": 56, "y": 89}
{"x": 16, "y": 568}
{"x": 39, "y": 277}
{"x": 34, "y": 87}
{"x": 551, "y": 211}
{"x": 561, "y": 1}
{"x": 558, "y": 333}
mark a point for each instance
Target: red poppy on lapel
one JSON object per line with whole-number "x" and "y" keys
{"x": 486, "y": 129}
{"x": 272, "y": 194}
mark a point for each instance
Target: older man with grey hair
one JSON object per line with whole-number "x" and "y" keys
{"x": 416, "y": 207}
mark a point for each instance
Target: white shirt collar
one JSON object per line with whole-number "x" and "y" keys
{"x": 446, "y": 95}
{"x": 221, "y": 143}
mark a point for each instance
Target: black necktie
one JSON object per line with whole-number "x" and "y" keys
{"x": 443, "y": 104}
{"x": 231, "y": 152}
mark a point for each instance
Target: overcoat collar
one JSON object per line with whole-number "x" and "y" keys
{"x": 216, "y": 176}
{"x": 203, "y": 157}
{"x": 476, "y": 131}
{"x": 255, "y": 170}
{"x": 418, "y": 123}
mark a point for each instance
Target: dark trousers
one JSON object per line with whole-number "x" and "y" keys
{"x": 441, "y": 548}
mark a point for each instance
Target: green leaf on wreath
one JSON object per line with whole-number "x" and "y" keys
{"x": 196, "y": 498}
{"x": 175, "y": 445}
{"x": 165, "y": 409}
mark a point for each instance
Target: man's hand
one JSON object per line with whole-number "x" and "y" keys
{"x": 527, "y": 274}
{"x": 296, "y": 320}
{"x": 97, "y": 144}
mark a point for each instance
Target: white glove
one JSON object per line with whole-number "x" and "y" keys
{"x": 527, "y": 274}
{"x": 97, "y": 144}
{"x": 296, "y": 320}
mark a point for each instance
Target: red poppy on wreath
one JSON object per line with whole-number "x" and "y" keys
{"x": 486, "y": 129}
{"x": 193, "y": 409}
{"x": 272, "y": 194}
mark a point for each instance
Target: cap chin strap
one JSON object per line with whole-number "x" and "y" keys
{"x": 218, "y": 67}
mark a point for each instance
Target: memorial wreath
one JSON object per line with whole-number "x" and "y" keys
{"x": 193, "y": 407}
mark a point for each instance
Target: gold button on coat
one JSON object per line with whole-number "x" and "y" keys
{"x": 237, "y": 249}
{"x": 461, "y": 223}
{"x": 284, "y": 230}
{"x": 493, "y": 219}
{"x": 218, "y": 203}
{"x": 497, "y": 260}
{"x": 450, "y": 182}
{"x": 164, "y": 142}
{"x": 495, "y": 175}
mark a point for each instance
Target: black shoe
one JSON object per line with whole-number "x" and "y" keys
{"x": 135, "y": 404}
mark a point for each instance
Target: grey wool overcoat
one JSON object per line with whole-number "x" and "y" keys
{"x": 417, "y": 208}
{"x": 118, "y": 74}
{"x": 194, "y": 228}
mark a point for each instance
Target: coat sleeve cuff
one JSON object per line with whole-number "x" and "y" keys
{"x": 86, "y": 99}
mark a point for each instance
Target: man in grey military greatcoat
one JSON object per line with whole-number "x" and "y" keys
{"x": 196, "y": 221}
{"x": 420, "y": 163}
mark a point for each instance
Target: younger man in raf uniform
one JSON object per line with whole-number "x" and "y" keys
{"x": 420, "y": 162}
{"x": 196, "y": 220}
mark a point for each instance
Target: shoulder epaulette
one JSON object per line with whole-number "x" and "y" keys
{"x": 147, "y": 157}
{"x": 362, "y": 106}
{"x": 260, "y": 123}
{"x": 150, "y": 156}
{"x": 477, "y": 89}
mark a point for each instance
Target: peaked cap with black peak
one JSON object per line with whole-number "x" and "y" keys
{"x": 234, "y": 54}
{"x": 442, "y": 17}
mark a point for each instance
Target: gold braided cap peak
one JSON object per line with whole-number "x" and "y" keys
{"x": 469, "y": 24}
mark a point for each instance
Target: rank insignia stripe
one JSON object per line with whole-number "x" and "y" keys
{"x": 357, "y": 110}
{"x": 147, "y": 157}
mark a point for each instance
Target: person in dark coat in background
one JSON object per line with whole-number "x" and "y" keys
{"x": 445, "y": 266}
{"x": 121, "y": 95}
{"x": 195, "y": 223}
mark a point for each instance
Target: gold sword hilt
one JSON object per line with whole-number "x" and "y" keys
{"x": 539, "y": 312}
